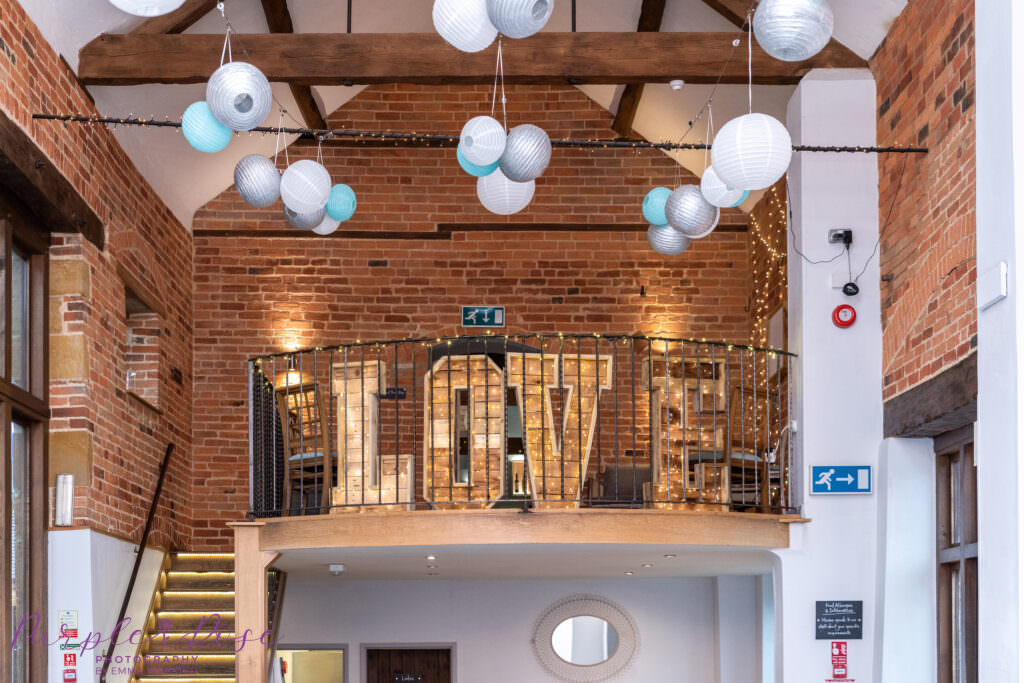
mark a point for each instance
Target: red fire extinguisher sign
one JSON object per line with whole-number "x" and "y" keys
{"x": 838, "y": 659}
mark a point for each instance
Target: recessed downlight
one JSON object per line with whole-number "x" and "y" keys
{"x": 431, "y": 558}
{"x": 670, "y": 556}
{"x": 628, "y": 573}
{"x": 647, "y": 565}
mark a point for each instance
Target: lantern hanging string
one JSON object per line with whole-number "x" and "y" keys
{"x": 499, "y": 72}
{"x": 451, "y": 140}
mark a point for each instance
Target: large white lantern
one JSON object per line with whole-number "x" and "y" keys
{"x": 305, "y": 186}
{"x": 689, "y": 213}
{"x": 527, "y": 153}
{"x": 239, "y": 95}
{"x": 502, "y": 196}
{"x": 664, "y": 240}
{"x": 520, "y": 18}
{"x": 304, "y": 220}
{"x": 464, "y": 24}
{"x": 147, "y": 8}
{"x": 257, "y": 181}
{"x": 718, "y": 193}
{"x": 752, "y": 152}
{"x": 482, "y": 140}
{"x": 793, "y": 30}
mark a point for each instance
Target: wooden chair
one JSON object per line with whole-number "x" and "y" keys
{"x": 747, "y": 445}
{"x": 308, "y": 452}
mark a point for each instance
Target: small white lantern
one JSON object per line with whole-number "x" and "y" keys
{"x": 664, "y": 240}
{"x": 482, "y": 140}
{"x": 257, "y": 181}
{"x": 327, "y": 226}
{"x": 689, "y": 213}
{"x": 527, "y": 153}
{"x": 304, "y": 221}
{"x": 752, "y": 152}
{"x": 718, "y": 193}
{"x": 239, "y": 96}
{"x": 793, "y": 30}
{"x": 147, "y": 8}
{"x": 305, "y": 186}
{"x": 502, "y": 196}
{"x": 520, "y": 18}
{"x": 464, "y": 24}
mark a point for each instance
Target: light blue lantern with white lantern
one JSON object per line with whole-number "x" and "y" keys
{"x": 475, "y": 170}
{"x": 202, "y": 130}
{"x": 654, "y": 206}
{"x": 341, "y": 204}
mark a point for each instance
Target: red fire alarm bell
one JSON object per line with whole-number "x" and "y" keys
{"x": 844, "y": 316}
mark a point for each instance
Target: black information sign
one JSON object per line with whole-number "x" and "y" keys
{"x": 406, "y": 678}
{"x": 395, "y": 394}
{"x": 839, "y": 619}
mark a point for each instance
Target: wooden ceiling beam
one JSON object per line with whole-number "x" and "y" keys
{"x": 424, "y": 58}
{"x": 176, "y": 21}
{"x": 651, "y": 14}
{"x": 279, "y": 20}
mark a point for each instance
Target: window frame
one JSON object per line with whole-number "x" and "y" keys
{"x": 30, "y": 408}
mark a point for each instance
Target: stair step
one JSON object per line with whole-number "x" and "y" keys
{"x": 189, "y": 620}
{"x": 210, "y": 601}
{"x": 205, "y": 642}
{"x": 200, "y": 580}
{"x": 176, "y": 666}
{"x": 203, "y": 562}
{"x": 185, "y": 679}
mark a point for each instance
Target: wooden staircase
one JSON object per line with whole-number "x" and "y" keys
{"x": 193, "y": 590}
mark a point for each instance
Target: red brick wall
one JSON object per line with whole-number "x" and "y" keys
{"x": 925, "y": 74}
{"x": 768, "y": 266}
{"x": 143, "y": 237}
{"x": 255, "y": 295}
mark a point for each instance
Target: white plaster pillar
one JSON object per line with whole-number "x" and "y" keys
{"x": 838, "y": 378}
{"x": 999, "y": 45}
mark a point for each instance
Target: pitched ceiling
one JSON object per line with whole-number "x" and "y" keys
{"x": 187, "y": 179}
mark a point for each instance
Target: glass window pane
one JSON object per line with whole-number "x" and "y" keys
{"x": 18, "y": 497}
{"x": 19, "y": 320}
{"x": 970, "y": 496}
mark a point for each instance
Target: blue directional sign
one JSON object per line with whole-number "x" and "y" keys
{"x": 483, "y": 316}
{"x": 840, "y": 479}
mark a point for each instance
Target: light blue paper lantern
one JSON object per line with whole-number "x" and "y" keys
{"x": 472, "y": 169}
{"x": 654, "y": 206}
{"x": 202, "y": 130}
{"x": 341, "y": 205}
{"x": 743, "y": 198}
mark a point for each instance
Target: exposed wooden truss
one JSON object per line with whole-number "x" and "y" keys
{"x": 424, "y": 58}
{"x": 279, "y": 20}
{"x": 651, "y": 14}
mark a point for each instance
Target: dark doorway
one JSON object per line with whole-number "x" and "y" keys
{"x": 409, "y": 666}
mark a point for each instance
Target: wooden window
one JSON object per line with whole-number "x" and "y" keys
{"x": 143, "y": 319}
{"x": 957, "y": 543}
{"x": 24, "y": 350}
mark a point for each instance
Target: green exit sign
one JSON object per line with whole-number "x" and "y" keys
{"x": 483, "y": 316}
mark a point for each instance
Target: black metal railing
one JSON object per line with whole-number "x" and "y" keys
{"x": 543, "y": 420}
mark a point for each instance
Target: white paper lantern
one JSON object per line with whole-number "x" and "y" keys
{"x": 305, "y": 186}
{"x": 751, "y": 152}
{"x": 502, "y": 196}
{"x": 327, "y": 226}
{"x": 718, "y": 193}
{"x": 482, "y": 140}
{"x": 147, "y": 8}
{"x": 664, "y": 240}
{"x": 464, "y": 24}
{"x": 527, "y": 153}
{"x": 689, "y": 213}
{"x": 793, "y": 30}
{"x": 519, "y": 18}
{"x": 239, "y": 95}
{"x": 257, "y": 181}
{"x": 306, "y": 220}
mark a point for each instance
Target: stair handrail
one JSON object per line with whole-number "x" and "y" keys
{"x": 138, "y": 561}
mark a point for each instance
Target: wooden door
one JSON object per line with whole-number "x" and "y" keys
{"x": 407, "y": 666}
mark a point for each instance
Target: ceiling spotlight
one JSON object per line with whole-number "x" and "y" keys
{"x": 336, "y": 569}
{"x": 431, "y": 558}
{"x": 647, "y": 565}
{"x": 670, "y": 556}
{"x": 628, "y": 573}
{"x": 677, "y": 84}
{"x": 431, "y": 566}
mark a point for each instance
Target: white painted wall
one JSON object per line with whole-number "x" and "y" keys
{"x": 838, "y": 396}
{"x": 999, "y": 41}
{"x": 905, "y": 636}
{"x": 737, "y": 640}
{"x": 492, "y": 622}
{"x": 89, "y": 572}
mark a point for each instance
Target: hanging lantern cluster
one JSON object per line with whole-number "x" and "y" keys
{"x": 684, "y": 212}
{"x": 793, "y": 30}
{"x": 506, "y": 165}
{"x": 472, "y": 25}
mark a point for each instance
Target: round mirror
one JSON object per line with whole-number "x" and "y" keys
{"x": 585, "y": 640}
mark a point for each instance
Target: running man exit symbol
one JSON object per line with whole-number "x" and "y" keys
{"x": 840, "y": 479}
{"x": 483, "y": 316}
